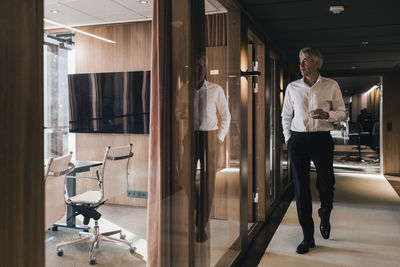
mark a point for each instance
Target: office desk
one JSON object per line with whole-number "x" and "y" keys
{"x": 80, "y": 166}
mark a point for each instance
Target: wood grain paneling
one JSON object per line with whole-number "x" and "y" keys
{"x": 390, "y": 115}
{"x": 21, "y": 135}
{"x": 89, "y": 149}
{"x": 216, "y": 61}
{"x": 131, "y": 52}
{"x": 223, "y": 203}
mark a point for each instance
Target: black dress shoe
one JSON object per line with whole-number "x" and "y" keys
{"x": 305, "y": 246}
{"x": 325, "y": 226}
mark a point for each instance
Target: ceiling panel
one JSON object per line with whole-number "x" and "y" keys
{"x": 102, "y": 9}
{"x": 146, "y": 10}
{"x": 294, "y": 24}
{"x": 67, "y": 15}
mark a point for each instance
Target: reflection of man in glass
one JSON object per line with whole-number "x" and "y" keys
{"x": 208, "y": 99}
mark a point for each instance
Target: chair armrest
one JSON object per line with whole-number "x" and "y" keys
{"x": 98, "y": 171}
{"x": 81, "y": 177}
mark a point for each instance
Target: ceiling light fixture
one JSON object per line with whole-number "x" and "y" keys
{"x": 354, "y": 67}
{"x": 365, "y": 43}
{"x": 53, "y": 11}
{"x": 336, "y": 9}
{"x": 76, "y": 30}
{"x": 143, "y": 2}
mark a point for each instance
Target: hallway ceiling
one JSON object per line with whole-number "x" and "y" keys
{"x": 366, "y": 35}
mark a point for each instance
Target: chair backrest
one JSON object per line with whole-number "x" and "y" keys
{"x": 55, "y": 173}
{"x": 114, "y": 174}
{"x": 375, "y": 130}
{"x": 355, "y": 128}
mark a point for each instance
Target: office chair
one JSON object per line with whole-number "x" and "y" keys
{"x": 356, "y": 129}
{"x": 112, "y": 181}
{"x": 55, "y": 173}
{"x": 375, "y": 136}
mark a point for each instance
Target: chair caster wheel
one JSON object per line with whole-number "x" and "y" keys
{"x": 92, "y": 262}
{"x": 60, "y": 252}
{"x": 132, "y": 250}
{"x": 123, "y": 237}
{"x": 54, "y": 228}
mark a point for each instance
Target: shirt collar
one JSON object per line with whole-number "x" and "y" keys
{"x": 319, "y": 79}
{"x": 205, "y": 83}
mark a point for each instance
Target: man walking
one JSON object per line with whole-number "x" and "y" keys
{"x": 311, "y": 105}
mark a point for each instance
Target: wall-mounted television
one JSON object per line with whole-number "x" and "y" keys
{"x": 114, "y": 102}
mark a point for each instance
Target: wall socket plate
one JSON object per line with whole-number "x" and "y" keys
{"x": 137, "y": 194}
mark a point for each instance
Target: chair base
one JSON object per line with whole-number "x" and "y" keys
{"x": 96, "y": 237}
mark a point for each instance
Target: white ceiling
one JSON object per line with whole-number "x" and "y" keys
{"x": 93, "y": 12}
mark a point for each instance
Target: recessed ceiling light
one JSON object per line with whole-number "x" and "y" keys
{"x": 54, "y": 11}
{"x": 364, "y": 43}
{"x": 336, "y": 9}
{"x": 143, "y": 2}
{"x": 354, "y": 67}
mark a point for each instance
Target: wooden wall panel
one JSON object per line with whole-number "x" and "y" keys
{"x": 390, "y": 114}
{"x": 21, "y": 134}
{"x": 131, "y": 52}
{"x": 92, "y": 147}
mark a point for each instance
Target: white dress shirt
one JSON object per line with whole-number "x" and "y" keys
{"x": 300, "y": 99}
{"x": 207, "y": 100}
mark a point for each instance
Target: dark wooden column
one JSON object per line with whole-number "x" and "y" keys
{"x": 21, "y": 133}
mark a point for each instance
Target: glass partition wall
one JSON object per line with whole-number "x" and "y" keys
{"x": 205, "y": 136}
{"x": 68, "y": 55}
{"x": 223, "y": 163}
{"x": 57, "y": 62}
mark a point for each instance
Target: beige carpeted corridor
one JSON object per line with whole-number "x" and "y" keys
{"x": 365, "y": 228}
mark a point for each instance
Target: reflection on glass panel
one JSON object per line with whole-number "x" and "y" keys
{"x": 217, "y": 145}
{"x": 284, "y": 151}
{"x": 55, "y": 141}
{"x": 181, "y": 186}
{"x": 206, "y": 140}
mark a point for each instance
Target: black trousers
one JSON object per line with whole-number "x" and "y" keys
{"x": 205, "y": 151}
{"x": 318, "y": 147}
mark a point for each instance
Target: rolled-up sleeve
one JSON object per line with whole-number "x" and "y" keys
{"x": 287, "y": 114}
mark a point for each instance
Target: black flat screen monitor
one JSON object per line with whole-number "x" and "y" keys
{"x": 115, "y": 102}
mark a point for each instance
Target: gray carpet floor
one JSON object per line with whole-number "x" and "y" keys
{"x": 132, "y": 220}
{"x": 365, "y": 228}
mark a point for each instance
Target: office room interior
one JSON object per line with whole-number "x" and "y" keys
{"x": 105, "y": 161}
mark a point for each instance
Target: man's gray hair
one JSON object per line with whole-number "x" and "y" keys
{"x": 314, "y": 54}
